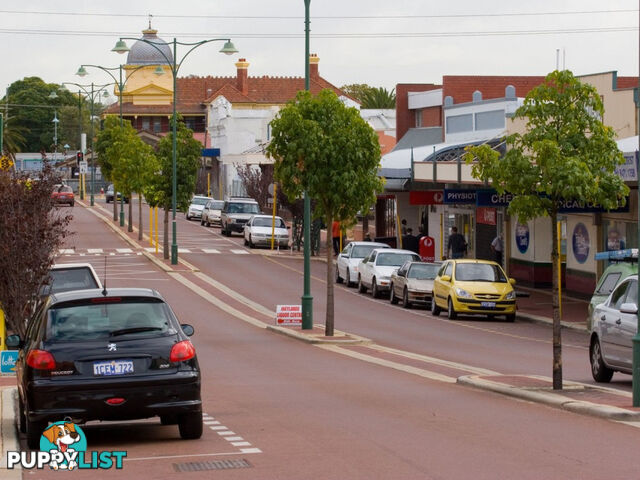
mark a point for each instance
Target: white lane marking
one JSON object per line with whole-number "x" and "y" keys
{"x": 250, "y": 450}
{"x": 163, "y": 457}
{"x": 241, "y": 444}
{"x": 218, "y": 427}
{"x": 234, "y": 439}
{"x": 112, "y": 254}
{"x": 240, "y": 252}
{"x": 210, "y": 422}
{"x": 184, "y": 250}
{"x": 210, "y": 250}
{"x": 66, "y": 251}
{"x": 94, "y": 250}
{"x": 124, "y": 250}
{"x": 228, "y": 432}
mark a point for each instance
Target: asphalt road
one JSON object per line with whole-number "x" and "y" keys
{"x": 386, "y": 411}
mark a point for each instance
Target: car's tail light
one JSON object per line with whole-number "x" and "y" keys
{"x": 115, "y": 401}
{"x": 41, "y": 360}
{"x": 182, "y": 351}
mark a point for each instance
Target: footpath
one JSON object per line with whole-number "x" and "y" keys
{"x": 534, "y": 305}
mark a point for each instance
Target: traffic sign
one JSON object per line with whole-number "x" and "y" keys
{"x": 84, "y": 168}
{"x": 5, "y": 163}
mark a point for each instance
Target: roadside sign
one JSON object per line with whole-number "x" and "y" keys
{"x": 84, "y": 168}
{"x": 8, "y": 359}
{"x": 427, "y": 248}
{"x": 5, "y": 163}
{"x": 289, "y": 315}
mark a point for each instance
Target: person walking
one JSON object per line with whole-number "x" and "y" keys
{"x": 457, "y": 244}
{"x": 335, "y": 234}
{"x": 410, "y": 241}
{"x": 497, "y": 246}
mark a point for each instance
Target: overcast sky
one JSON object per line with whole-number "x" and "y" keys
{"x": 377, "y": 42}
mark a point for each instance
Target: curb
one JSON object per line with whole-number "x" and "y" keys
{"x": 350, "y": 340}
{"x": 9, "y": 432}
{"x": 577, "y": 326}
{"x": 551, "y": 399}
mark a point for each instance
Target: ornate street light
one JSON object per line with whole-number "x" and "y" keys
{"x": 228, "y": 49}
{"x": 307, "y": 299}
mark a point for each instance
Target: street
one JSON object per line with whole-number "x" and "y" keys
{"x": 277, "y": 408}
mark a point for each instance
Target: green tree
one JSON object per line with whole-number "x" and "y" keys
{"x": 356, "y": 91}
{"x": 105, "y": 139}
{"x": 188, "y": 155}
{"x": 326, "y": 149}
{"x": 379, "y": 97}
{"x": 566, "y": 152}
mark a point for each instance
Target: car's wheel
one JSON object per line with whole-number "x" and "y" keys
{"x": 23, "y": 418}
{"x": 188, "y": 217}
{"x": 392, "y": 295}
{"x": 246, "y": 243}
{"x": 251, "y": 245}
{"x": 361, "y": 287}
{"x": 600, "y": 372}
{"x": 202, "y": 222}
{"x": 168, "y": 419}
{"x": 511, "y": 317}
{"x": 451, "y": 312}
{"x": 208, "y": 223}
{"x": 375, "y": 292}
{"x": 338, "y": 277}
{"x": 435, "y": 309}
{"x": 34, "y": 432}
{"x": 348, "y": 279}
{"x": 72, "y": 204}
{"x": 405, "y": 299}
{"x": 190, "y": 426}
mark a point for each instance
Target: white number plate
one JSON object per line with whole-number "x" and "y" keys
{"x": 488, "y": 304}
{"x": 115, "y": 367}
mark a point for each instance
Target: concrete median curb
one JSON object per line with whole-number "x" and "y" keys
{"x": 341, "y": 338}
{"x": 549, "y": 398}
{"x": 9, "y": 432}
{"x": 529, "y": 317}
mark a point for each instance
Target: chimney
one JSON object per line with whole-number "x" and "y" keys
{"x": 242, "y": 81}
{"x": 313, "y": 66}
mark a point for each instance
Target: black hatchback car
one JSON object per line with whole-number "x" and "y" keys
{"x": 98, "y": 355}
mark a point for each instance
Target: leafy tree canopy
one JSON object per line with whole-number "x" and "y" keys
{"x": 371, "y": 97}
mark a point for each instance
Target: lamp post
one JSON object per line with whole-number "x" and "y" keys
{"x": 228, "y": 49}
{"x": 307, "y": 299}
{"x": 55, "y": 122}
{"x": 92, "y": 94}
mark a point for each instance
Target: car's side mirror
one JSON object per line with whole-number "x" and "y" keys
{"x": 625, "y": 308}
{"x": 14, "y": 341}
{"x": 445, "y": 278}
{"x": 187, "y": 329}
{"x": 512, "y": 281}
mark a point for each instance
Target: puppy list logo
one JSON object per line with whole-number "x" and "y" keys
{"x": 63, "y": 446}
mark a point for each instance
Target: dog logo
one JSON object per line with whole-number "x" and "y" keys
{"x": 63, "y": 440}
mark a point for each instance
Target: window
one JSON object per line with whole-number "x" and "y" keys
{"x": 421, "y": 271}
{"x": 460, "y": 123}
{"x": 146, "y": 123}
{"x": 632, "y": 295}
{"x": 479, "y": 272}
{"x": 361, "y": 251}
{"x": 490, "y": 120}
{"x": 448, "y": 269}
{"x": 418, "y": 114}
{"x": 617, "y": 298}
{"x": 395, "y": 259}
{"x": 157, "y": 124}
{"x": 609, "y": 283}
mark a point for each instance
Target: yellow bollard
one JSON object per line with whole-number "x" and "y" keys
{"x": 151, "y": 226}
{"x": 156, "y": 213}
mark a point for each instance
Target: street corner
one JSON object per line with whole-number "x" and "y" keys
{"x": 317, "y": 335}
{"x": 575, "y": 397}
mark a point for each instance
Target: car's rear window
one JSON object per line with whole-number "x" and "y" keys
{"x": 266, "y": 222}
{"x": 111, "y": 320}
{"x": 479, "y": 272}
{"x": 395, "y": 259}
{"x": 64, "y": 280}
{"x": 66, "y": 189}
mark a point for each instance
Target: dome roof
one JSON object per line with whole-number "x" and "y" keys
{"x": 142, "y": 53}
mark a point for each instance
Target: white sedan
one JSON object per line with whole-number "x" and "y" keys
{"x": 375, "y": 271}
{"x": 258, "y": 230}
{"x": 350, "y": 257}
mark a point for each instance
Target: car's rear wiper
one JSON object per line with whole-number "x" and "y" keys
{"x": 124, "y": 331}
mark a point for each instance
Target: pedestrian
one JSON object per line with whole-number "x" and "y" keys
{"x": 367, "y": 237}
{"x": 457, "y": 244}
{"x": 497, "y": 246}
{"x": 410, "y": 241}
{"x": 335, "y": 234}
{"x": 403, "y": 229}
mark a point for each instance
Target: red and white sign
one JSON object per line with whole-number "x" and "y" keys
{"x": 289, "y": 315}
{"x": 428, "y": 197}
{"x": 427, "y": 249}
{"x": 486, "y": 215}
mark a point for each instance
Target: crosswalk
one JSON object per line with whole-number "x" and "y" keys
{"x": 87, "y": 252}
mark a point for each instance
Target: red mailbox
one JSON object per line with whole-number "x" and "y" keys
{"x": 427, "y": 249}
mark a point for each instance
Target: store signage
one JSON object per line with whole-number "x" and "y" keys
{"x": 522, "y": 237}
{"x": 628, "y": 171}
{"x": 491, "y": 198}
{"x": 459, "y": 196}
{"x": 486, "y": 215}
{"x": 429, "y": 197}
{"x": 289, "y": 315}
{"x": 580, "y": 243}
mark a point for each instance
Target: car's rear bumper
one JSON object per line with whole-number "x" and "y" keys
{"x": 144, "y": 397}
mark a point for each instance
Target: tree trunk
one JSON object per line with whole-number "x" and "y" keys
{"x": 557, "y": 328}
{"x": 130, "y": 228}
{"x": 329, "y": 320}
{"x": 140, "y": 226}
{"x": 165, "y": 235}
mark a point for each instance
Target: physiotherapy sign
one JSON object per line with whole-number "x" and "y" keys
{"x": 459, "y": 196}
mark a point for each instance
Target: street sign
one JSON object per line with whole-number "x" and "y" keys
{"x": 84, "y": 168}
{"x": 5, "y": 163}
{"x": 289, "y": 315}
{"x": 8, "y": 360}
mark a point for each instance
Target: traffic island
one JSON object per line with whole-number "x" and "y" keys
{"x": 316, "y": 335}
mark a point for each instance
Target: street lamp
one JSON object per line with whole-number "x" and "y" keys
{"x": 55, "y": 122}
{"x": 228, "y": 49}
{"x": 92, "y": 94}
{"x": 82, "y": 72}
{"x": 307, "y": 299}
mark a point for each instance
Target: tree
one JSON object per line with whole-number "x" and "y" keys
{"x": 379, "y": 98}
{"x": 356, "y": 91}
{"x": 106, "y": 138}
{"x": 566, "y": 153}
{"x": 187, "y": 162}
{"x": 326, "y": 149}
{"x": 31, "y": 232}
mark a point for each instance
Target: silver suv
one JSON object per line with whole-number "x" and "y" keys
{"x": 235, "y": 214}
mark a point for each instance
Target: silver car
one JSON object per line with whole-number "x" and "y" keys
{"x": 375, "y": 271}
{"x": 348, "y": 260}
{"x": 259, "y": 229}
{"x": 413, "y": 283}
{"x": 211, "y": 213}
{"x": 196, "y": 207}
{"x": 614, "y": 324}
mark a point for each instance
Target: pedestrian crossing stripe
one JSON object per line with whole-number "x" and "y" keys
{"x": 240, "y": 252}
{"x": 184, "y": 250}
{"x": 124, "y": 250}
{"x": 94, "y": 250}
{"x": 210, "y": 250}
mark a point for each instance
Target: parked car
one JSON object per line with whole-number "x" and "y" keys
{"x": 64, "y": 277}
{"x": 374, "y": 271}
{"x": 119, "y": 355}
{"x": 259, "y": 228}
{"x": 474, "y": 287}
{"x": 625, "y": 263}
{"x": 108, "y": 196}
{"x": 413, "y": 283}
{"x": 348, "y": 260}
{"x": 615, "y": 323}
{"x": 63, "y": 195}
{"x": 197, "y": 205}
{"x": 236, "y": 212}
{"x": 211, "y": 212}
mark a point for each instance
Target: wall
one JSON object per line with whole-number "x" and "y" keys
{"x": 405, "y": 118}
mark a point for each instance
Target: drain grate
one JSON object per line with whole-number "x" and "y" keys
{"x": 211, "y": 465}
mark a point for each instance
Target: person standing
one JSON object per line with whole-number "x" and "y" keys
{"x": 410, "y": 241}
{"x": 335, "y": 234}
{"x": 457, "y": 245}
{"x": 497, "y": 246}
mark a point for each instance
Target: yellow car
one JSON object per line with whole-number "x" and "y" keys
{"x": 473, "y": 287}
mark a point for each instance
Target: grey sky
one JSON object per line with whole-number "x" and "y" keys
{"x": 380, "y": 43}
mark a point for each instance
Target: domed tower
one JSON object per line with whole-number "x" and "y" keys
{"x": 144, "y": 86}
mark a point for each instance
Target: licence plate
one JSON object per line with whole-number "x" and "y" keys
{"x": 115, "y": 367}
{"x": 488, "y": 304}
